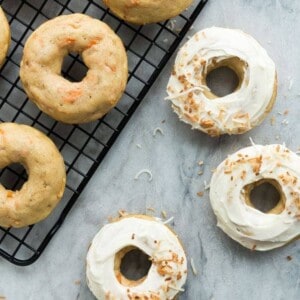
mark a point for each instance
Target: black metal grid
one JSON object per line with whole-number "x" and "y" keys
{"x": 82, "y": 146}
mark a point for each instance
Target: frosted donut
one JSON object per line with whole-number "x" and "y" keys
{"x": 46, "y": 175}
{"x": 166, "y": 275}
{"x": 237, "y": 112}
{"x": 230, "y": 189}
{"x": 4, "y": 36}
{"x": 147, "y": 11}
{"x": 102, "y": 52}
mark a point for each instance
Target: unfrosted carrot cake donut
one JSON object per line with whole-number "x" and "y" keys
{"x": 103, "y": 53}
{"x": 4, "y": 36}
{"x": 147, "y": 11}
{"x": 230, "y": 189}
{"x": 237, "y": 112}
{"x": 168, "y": 270}
{"x": 46, "y": 175}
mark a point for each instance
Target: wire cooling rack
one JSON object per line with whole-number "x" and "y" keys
{"x": 82, "y": 146}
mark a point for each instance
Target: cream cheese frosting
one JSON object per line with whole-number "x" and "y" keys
{"x": 168, "y": 270}
{"x": 237, "y": 112}
{"x": 246, "y": 224}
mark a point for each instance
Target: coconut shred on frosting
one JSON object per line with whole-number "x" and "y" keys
{"x": 168, "y": 270}
{"x": 237, "y": 112}
{"x": 229, "y": 196}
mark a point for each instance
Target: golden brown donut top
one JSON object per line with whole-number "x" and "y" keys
{"x": 46, "y": 175}
{"x": 102, "y": 52}
{"x": 4, "y": 36}
{"x": 147, "y": 11}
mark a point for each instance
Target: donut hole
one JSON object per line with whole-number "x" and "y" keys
{"x": 223, "y": 77}
{"x": 73, "y": 67}
{"x": 131, "y": 266}
{"x": 222, "y": 81}
{"x": 266, "y": 196}
{"x": 13, "y": 176}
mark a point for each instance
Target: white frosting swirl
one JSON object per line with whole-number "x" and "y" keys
{"x": 237, "y": 112}
{"x": 243, "y": 223}
{"x": 166, "y": 275}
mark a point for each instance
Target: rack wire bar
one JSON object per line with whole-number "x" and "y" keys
{"x": 83, "y": 146}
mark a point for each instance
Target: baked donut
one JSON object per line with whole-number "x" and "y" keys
{"x": 230, "y": 189}
{"x": 237, "y": 112}
{"x": 4, "y": 36}
{"x": 168, "y": 270}
{"x": 147, "y": 11}
{"x": 103, "y": 53}
{"x": 46, "y": 175}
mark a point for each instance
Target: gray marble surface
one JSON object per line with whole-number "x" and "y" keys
{"x": 226, "y": 270}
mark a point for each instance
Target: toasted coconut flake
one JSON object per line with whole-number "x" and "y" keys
{"x": 193, "y": 267}
{"x": 200, "y": 162}
{"x": 168, "y": 221}
{"x": 156, "y": 130}
{"x": 164, "y": 214}
{"x": 200, "y": 88}
{"x": 206, "y": 185}
{"x": 200, "y": 194}
{"x": 122, "y": 213}
{"x": 172, "y": 24}
{"x": 142, "y": 172}
{"x": 273, "y": 120}
{"x": 151, "y": 209}
{"x": 176, "y": 289}
{"x": 251, "y": 141}
{"x": 291, "y": 82}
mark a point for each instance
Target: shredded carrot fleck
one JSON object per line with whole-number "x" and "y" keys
{"x": 9, "y": 194}
{"x": 72, "y": 95}
{"x": 113, "y": 68}
{"x": 41, "y": 42}
{"x": 94, "y": 42}
{"x": 70, "y": 40}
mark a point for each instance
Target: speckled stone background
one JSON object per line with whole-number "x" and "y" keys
{"x": 225, "y": 269}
